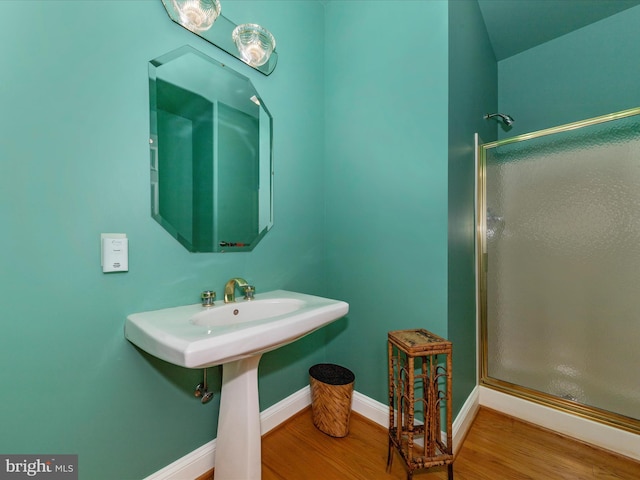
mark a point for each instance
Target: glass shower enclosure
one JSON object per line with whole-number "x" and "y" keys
{"x": 559, "y": 267}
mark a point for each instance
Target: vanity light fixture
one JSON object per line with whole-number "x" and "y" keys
{"x": 254, "y": 43}
{"x": 249, "y": 42}
{"x": 197, "y": 15}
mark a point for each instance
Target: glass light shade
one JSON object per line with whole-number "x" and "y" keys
{"x": 255, "y": 44}
{"x": 197, "y": 15}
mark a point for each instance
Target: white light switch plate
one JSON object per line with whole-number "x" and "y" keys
{"x": 114, "y": 252}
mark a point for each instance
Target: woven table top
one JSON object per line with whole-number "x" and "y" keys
{"x": 418, "y": 341}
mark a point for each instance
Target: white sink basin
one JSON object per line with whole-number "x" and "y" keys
{"x": 235, "y": 335}
{"x": 249, "y": 311}
{"x": 194, "y": 336}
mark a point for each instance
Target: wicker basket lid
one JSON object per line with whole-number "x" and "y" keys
{"x": 332, "y": 374}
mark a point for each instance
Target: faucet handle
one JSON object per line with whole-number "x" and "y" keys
{"x": 249, "y": 290}
{"x": 208, "y": 296}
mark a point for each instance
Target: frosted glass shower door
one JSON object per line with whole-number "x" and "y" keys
{"x": 561, "y": 237}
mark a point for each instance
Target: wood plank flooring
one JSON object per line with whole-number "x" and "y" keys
{"x": 497, "y": 447}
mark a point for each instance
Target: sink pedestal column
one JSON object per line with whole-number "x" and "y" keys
{"x": 238, "y": 445}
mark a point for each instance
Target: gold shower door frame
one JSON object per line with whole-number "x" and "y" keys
{"x": 567, "y": 405}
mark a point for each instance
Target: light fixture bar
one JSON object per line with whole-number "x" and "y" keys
{"x": 220, "y": 34}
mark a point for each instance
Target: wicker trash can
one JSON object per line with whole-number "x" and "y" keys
{"x": 331, "y": 393}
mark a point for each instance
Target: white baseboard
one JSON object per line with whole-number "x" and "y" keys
{"x": 202, "y": 459}
{"x": 191, "y": 466}
{"x": 597, "y": 434}
{"x": 285, "y": 409}
{"x": 372, "y": 409}
{"x": 464, "y": 419}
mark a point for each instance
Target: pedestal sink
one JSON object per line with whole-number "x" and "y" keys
{"x": 234, "y": 335}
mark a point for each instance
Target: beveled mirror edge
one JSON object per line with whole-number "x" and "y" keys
{"x": 219, "y": 35}
{"x": 169, "y": 228}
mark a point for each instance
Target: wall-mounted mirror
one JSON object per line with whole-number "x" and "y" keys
{"x": 211, "y": 155}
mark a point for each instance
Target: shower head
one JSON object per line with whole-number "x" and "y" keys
{"x": 506, "y": 119}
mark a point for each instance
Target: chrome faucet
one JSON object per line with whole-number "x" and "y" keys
{"x": 230, "y": 290}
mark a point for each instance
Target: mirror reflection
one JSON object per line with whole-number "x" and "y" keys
{"x": 211, "y": 156}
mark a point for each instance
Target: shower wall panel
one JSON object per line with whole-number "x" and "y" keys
{"x": 562, "y": 239}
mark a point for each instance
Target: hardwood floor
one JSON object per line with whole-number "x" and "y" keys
{"x": 497, "y": 448}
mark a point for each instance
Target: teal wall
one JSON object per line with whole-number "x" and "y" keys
{"x": 386, "y": 177}
{"x": 473, "y": 92}
{"x": 589, "y": 72}
{"x": 74, "y": 152}
{"x": 362, "y": 192}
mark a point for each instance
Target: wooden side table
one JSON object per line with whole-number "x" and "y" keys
{"x": 419, "y": 391}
